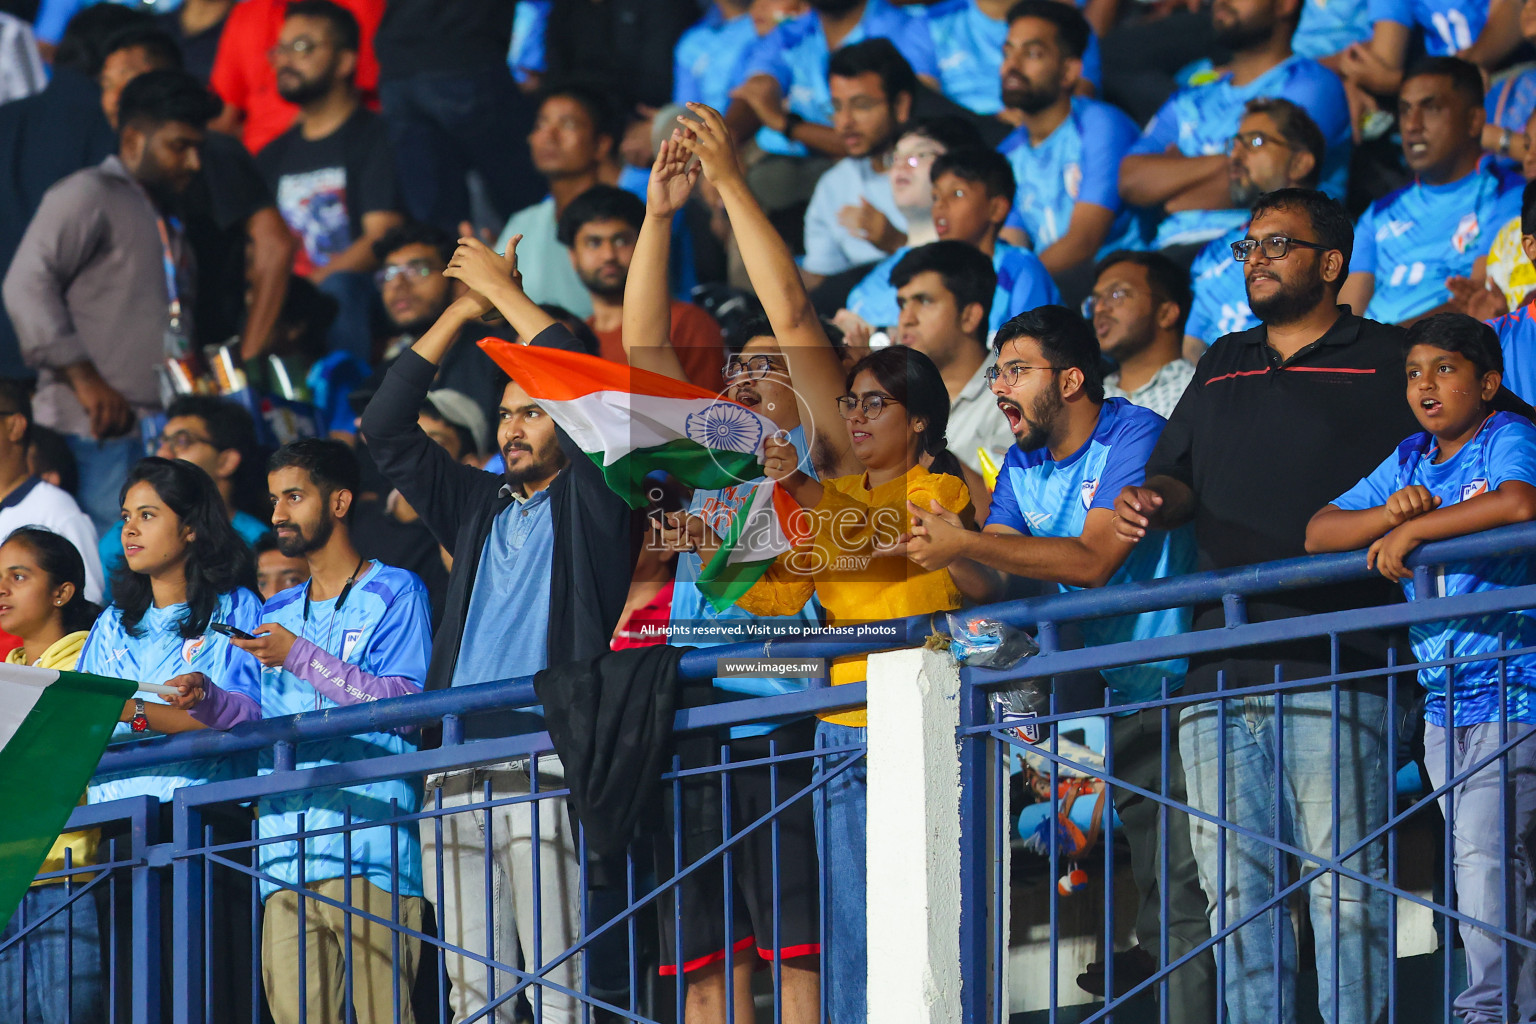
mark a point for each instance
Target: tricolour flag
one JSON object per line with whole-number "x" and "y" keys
{"x": 633, "y": 422}
{"x": 53, "y": 728}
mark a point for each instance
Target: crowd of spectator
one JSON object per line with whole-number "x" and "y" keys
{"x": 1037, "y": 294}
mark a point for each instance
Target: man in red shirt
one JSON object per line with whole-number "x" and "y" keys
{"x": 600, "y": 227}
{"x": 244, "y": 79}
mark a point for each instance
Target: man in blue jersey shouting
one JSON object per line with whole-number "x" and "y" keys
{"x": 1052, "y": 519}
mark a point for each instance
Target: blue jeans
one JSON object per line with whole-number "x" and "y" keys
{"x": 1281, "y": 782}
{"x": 442, "y": 126}
{"x": 841, "y": 813}
{"x": 62, "y": 978}
{"x": 1492, "y": 884}
{"x": 103, "y": 467}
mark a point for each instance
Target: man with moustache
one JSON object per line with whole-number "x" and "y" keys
{"x": 1278, "y": 421}
{"x": 549, "y": 541}
{"x": 1179, "y": 168}
{"x": 1051, "y": 519}
{"x": 333, "y": 172}
{"x": 1276, "y": 146}
{"x": 1138, "y": 307}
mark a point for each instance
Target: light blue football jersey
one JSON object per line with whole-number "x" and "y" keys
{"x": 968, "y": 46}
{"x": 157, "y": 653}
{"x": 1220, "y": 303}
{"x": 1446, "y": 26}
{"x": 1328, "y": 26}
{"x": 1040, "y": 497}
{"x": 1517, "y": 336}
{"x": 1503, "y": 450}
{"x": 710, "y": 57}
{"x": 1022, "y": 283}
{"x": 1415, "y": 238}
{"x": 384, "y": 627}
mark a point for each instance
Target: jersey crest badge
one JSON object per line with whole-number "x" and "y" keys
{"x": 1466, "y": 231}
{"x": 189, "y": 648}
{"x": 349, "y": 641}
{"x": 1072, "y": 178}
{"x": 1088, "y": 490}
{"x": 1473, "y": 489}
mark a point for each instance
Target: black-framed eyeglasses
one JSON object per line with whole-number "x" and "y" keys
{"x": 416, "y": 269}
{"x": 181, "y": 441}
{"x": 1011, "y": 374}
{"x": 1255, "y": 140}
{"x": 870, "y": 405}
{"x": 751, "y": 367}
{"x": 1275, "y": 247}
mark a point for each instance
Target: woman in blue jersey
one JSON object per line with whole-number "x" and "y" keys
{"x": 185, "y": 568}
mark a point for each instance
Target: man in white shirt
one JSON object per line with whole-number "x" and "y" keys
{"x": 852, "y": 219}
{"x": 27, "y": 500}
{"x": 1138, "y": 307}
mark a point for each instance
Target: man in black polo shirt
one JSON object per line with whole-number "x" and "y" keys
{"x": 1277, "y": 421}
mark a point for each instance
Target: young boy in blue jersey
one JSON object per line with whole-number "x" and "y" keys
{"x": 356, "y": 631}
{"x": 1409, "y": 242}
{"x": 1052, "y": 519}
{"x": 1471, "y": 468}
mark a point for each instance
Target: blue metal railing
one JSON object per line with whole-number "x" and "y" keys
{"x": 984, "y": 819}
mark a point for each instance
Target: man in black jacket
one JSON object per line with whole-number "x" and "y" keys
{"x": 539, "y": 577}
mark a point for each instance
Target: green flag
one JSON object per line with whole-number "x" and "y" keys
{"x": 53, "y": 728}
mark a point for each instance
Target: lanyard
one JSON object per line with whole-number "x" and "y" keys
{"x": 168, "y": 264}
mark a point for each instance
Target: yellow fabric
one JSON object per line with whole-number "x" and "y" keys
{"x": 62, "y": 656}
{"x": 1508, "y": 266}
{"x": 853, "y": 585}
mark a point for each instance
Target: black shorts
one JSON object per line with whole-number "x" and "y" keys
{"x": 790, "y": 926}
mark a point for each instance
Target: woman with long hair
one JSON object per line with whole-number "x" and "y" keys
{"x": 42, "y": 601}
{"x": 184, "y": 570}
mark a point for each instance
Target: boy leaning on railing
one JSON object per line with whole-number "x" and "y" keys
{"x": 1472, "y": 468}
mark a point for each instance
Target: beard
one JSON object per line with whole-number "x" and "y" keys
{"x": 1289, "y": 304}
{"x": 303, "y": 90}
{"x": 297, "y": 545}
{"x": 1243, "y": 35}
{"x": 544, "y": 465}
{"x": 1244, "y": 193}
{"x": 834, "y": 7}
{"x": 1039, "y": 420}
{"x": 1031, "y": 99}
{"x": 604, "y": 287}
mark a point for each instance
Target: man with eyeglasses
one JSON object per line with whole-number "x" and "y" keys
{"x": 1278, "y": 421}
{"x": 1408, "y": 243}
{"x": 1276, "y": 146}
{"x": 244, "y": 78}
{"x": 217, "y": 437}
{"x": 1052, "y": 520}
{"x": 333, "y": 172}
{"x": 1137, "y": 309}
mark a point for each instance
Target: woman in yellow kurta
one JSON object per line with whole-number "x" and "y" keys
{"x": 42, "y": 601}
{"x": 895, "y": 410}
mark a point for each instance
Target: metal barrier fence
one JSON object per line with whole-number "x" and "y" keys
{"x": 599, "y": 961}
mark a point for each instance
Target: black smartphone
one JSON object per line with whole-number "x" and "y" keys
{"x": 228, "y": 630}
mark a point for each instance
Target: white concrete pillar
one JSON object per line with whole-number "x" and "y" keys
{"x": 913, "y": 857}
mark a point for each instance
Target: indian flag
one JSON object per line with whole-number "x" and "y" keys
{"x": 633, "y": 422}
{"x": 53, "y": 728}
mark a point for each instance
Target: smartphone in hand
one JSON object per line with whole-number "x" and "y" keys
{"x": 230, "y": 631}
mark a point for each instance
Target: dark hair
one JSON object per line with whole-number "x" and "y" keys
{"x": 759, "y": 326}
{"x": 1065, "y": 339}
{"x": 308, "y": 307}
{"x": 16, "y": 396}
{"x": 60, "y": 561}
{"x": 978, "y": 164}
{"x": 1462, "y": 334}
{"x": 600, "y": 202}
{"x": 950, "y": 132}
{"x": 467, "y": 445}
{"x": 218, "y": 560}
{"x": 1168, "y": 280}
{"x": 910, "y": 377}
{"x": 51, "y": 452}
{"x": 1072, "y": 30}
{"x": 331, "y": 465}
{"x": 966, "y": 271}
{"x": 605, "y": 121}
{"x": 158, "y": 45}
{"x": 578, "y": 328}
{"x": 877, "y": 56}
{"x": 1329, "y": 220}
{"x": 414, "y": 232}
{"x": 342, "y": 22}
{"x": 156, "y": 97}
{"x": 1528, "y": 209}
{"x": 229, "y": 425}
{"x": 266, "y": 542}
{"x": 84, "y": 45}
{"x": 1464, "y": 76}
{"x": 1297, "y": 129}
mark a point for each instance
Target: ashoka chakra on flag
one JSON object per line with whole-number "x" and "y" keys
{"x": 725, "y": 426}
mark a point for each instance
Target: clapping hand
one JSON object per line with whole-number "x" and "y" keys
{"x": 710, "y": 140}
{"x": 672, "y": 178}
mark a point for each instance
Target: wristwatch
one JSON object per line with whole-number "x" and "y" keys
{"x": 792, "y": 121}
{"x": 1505, "y": 137}
{"x": 140, "y": 722}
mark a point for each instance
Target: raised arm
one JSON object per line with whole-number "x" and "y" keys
{"x": 647, "y": 304}
{"x": 814, "y": 368}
